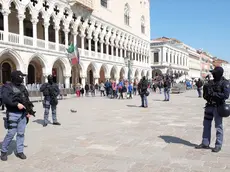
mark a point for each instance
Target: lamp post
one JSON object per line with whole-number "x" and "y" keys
{"x": 128, "y": 63}
{"x": 170, "y": 73}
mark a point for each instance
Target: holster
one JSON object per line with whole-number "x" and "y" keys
{"x": 7, "y": 122}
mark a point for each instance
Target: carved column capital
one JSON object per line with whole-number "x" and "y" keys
{"x": 5, "y": 12}
{"x": 34, "y": 21}
{"x": 21, "y": 17}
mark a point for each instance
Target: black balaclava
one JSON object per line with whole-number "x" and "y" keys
{"x": 17, "y": 77}
{"x": 50, "y": 79}
{"x": 217, "y": 73}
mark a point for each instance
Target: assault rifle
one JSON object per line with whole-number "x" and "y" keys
{"x": 24, "y": 100}
{"x": 208, "y": 89}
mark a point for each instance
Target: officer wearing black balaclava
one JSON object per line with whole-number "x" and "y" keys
{"x": 215, "y": 94}
{"x": 15, "y": 120}
{"x": 50, "y": 92}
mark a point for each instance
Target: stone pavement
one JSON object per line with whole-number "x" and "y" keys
{"x": 108, "y": 135}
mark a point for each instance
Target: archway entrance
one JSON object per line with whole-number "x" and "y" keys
{"x": 57, "y": 72}
{"x": 137, "y": 75}
{"x": 7, "y": 65}
{"x": 156, "y": 72}
{"x": 75, "y": 75}
{"x": 35, "y": 71}
{"x": 31, "y": 74}
{"x": 102, "y": 75}
{"x": 113, "y": 73}
{"x": 90, "y": 74}
{"x": 6, "y": 72}
{"x": 122, "y": 74}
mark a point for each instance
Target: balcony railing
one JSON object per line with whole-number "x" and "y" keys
{"x": 86, "y": 3}
{"x": 60, "y": 48}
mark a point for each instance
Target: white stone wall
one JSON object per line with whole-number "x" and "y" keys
{"x": 82, "y": 30}
{"x": 177, "y": 58}
{"x": 114, "y": 15}
{"x": 226, "y": 68}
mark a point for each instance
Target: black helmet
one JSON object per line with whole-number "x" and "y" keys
{"x": 50, "y": 79}
{"x": 224, "y": 110}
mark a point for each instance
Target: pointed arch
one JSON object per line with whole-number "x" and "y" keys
{"x": 15, "y": 57}
{"x": 29, "y": 7}
{"x": 17, "y": 5}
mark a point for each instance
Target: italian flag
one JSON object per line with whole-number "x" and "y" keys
{"x": 73, "y": 54}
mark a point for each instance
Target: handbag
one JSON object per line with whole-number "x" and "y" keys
{"x": 147, "y": 93}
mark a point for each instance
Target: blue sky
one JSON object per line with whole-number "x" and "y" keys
{"x": 198, "y": 23}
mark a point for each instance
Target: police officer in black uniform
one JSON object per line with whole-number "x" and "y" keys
{"x": 16, "y": 114}
{"x": 50, "y": 91}
{"x": 215, "y": 93}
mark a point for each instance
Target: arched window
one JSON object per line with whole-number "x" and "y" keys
{"x": 104, "y": 3}
{"x": 143, "y": 24}
{"x": 127, "y": 14}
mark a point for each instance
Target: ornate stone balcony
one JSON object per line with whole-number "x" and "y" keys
{"x": 85, "y": 3}
{"x": 42, "y": 45}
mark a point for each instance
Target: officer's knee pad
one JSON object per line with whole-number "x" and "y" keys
{"x": 20, "y": 134}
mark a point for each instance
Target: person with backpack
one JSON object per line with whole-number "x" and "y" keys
{"x": 167, "y": 87}
{"x": 199, "y": 85}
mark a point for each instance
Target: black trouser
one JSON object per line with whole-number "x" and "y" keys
{"x": 2, "y": 104}
{"x": 102, "y": 92}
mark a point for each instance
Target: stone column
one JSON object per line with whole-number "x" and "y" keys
{"x": 125, "y": 53}
{"x": 83, "y": 81}
{"x": 89, "y": 44}
{"x": 56, "y": 28}
{"x": 107, "y": 48}
{"x": 116, "y": 51}
{"x": 34, "y": 22}
{"x": 95, "y": 42}
{"x": 82, "y": 42}
{"x": 46, "y": 27}
{"x": 67, "y": 83}
{"x": 102, "y": 47}
{"x": 21, "y": 28}
{"x": 96, "y": 80}
{"x": 45, "y": 77}
{"x": 66, "y": 38}
{"x": 117, "y": 80}
{"x": 74, "y": 39}
{"x": 112, "y": 52}
{"x": 121, "y": 52}
{"x": 6, "y": 24}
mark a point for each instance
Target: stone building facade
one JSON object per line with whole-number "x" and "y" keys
{"x": 34, "y": 36}
{"x": 168, "y": 54}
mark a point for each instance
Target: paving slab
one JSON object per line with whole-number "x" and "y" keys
{"x": 109, "y": 135}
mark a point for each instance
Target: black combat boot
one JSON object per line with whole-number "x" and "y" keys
{"x": 21, "y": 155}
{"x": 44, "y": 125}
{"x": 56, "y": 123}
{"x": 202, "y": 146}
{"x": 216, "y": 149}
{"x": 4, "y": 156}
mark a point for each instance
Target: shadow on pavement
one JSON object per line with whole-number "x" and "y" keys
{"x": 158, "y": 100}
{"x": 132, "y": 106}
{"x": 39, "y": 121}
{"x": 173, "y": 139}
{"x": 193, "y": 97}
